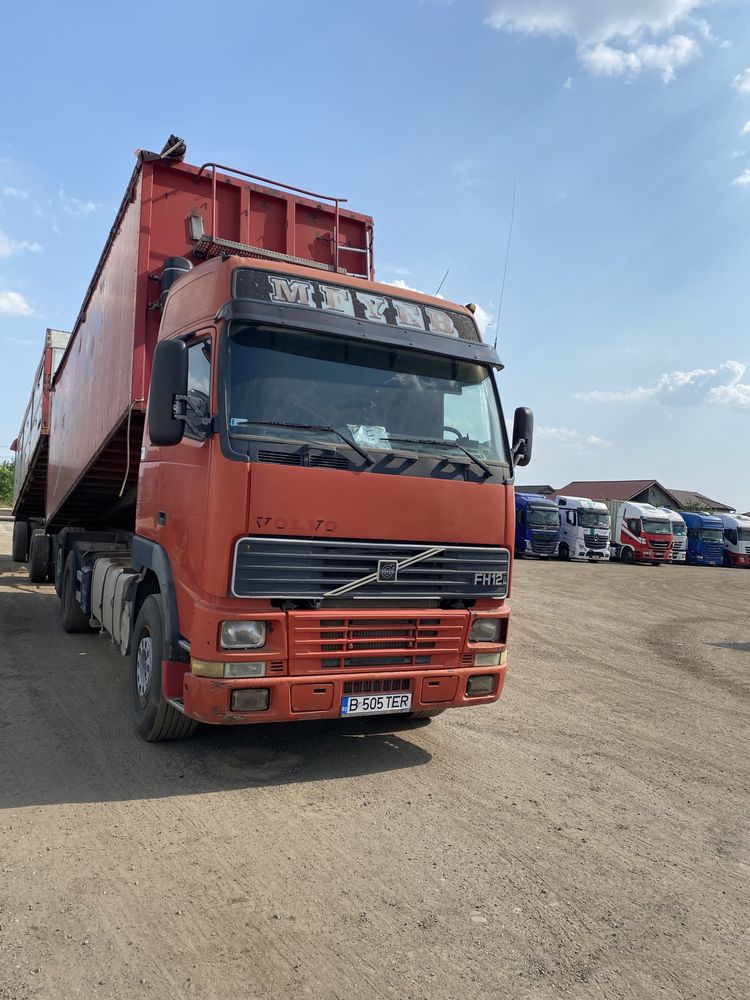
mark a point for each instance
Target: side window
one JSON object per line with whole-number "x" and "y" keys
{"x": 692, "y": 533}
{"x": 571, "y": 517}
{"x": 634, "y": 525}
{"x": 731, "y": 535}
{"x": 199, "y": 388}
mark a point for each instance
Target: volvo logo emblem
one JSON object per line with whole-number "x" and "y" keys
{"x": 387, "y": 570}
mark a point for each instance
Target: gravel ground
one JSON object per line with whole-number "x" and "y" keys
{"x": 585, "y": 837}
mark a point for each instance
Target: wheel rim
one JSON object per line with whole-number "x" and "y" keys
{"x": 143, "y": 668}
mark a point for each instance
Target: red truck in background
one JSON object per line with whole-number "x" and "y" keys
{"x": 284, "y": 490}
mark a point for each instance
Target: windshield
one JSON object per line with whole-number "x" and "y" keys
{"x": 711, "y": 534}
{"x": 657, "y": 527}
{"x": 678, "y": 528}
{"x": 744, "y": 534}
{"x": 371, "y": 393}
{"x": 543, "y": 517}
{"x": 593, "y": 519}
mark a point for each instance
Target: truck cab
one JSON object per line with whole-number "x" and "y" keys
{"x": 537, "y": 525}
{"x": 679, "y": 535}
{"x": 584, "y": 529}
{"x": 642, "y": 533}
{"x": 736, "y": 539}
{"x": 705, "y": 538}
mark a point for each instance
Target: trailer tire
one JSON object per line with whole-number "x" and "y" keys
{"x": 73, "y": 617}
{"x": 563, "y": 552}
{"x": 426, "y": 713}
{"x": 20, "y": 546}
{"x": 155, "y": 719}
{"x": 39, "y": 556}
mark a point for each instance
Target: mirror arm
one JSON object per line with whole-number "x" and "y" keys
{"x": 181, "y": 407}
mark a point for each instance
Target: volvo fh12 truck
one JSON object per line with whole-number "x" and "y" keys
{"x": 537, "y": 525}
{"x": 679, "y": 535}
{"x": 584, "y": 529}
{"x": 640, "y": 533}
{"x": 705, "y": 538}
{"x": 736, "y": 539}
{"x": 285, "y": 491}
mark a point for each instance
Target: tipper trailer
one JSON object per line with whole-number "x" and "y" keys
{"x": 31, "y": 449}
{"x": 283, "y": 489}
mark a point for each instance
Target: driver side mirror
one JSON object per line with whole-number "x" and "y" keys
{"x": 169, "y": 377}
{"x": 523, "y": 435}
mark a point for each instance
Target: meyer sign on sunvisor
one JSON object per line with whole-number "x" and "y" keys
{"x": 343, "y": 301}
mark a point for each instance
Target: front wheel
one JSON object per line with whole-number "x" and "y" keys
{"x": 626, "y": 555}
{"x": 563, "y": 552}
{"x": 155, "y": 719}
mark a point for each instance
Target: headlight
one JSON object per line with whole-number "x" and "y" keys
{"x": 242, "y": 635}
{"x": 234, "y": 670}
{"x": 485, "y": 630}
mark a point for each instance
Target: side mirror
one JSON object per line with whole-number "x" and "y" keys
{"x": 523, "y": 435}
{"x": 169, "y": 376}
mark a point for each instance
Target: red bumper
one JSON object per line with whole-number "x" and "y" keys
{"x": 293, "y": 699}
{"x": 736, "y": 559}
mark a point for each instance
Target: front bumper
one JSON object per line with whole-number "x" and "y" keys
{"x": 293, "y": 699}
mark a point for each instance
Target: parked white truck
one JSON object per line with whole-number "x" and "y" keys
{"x": 736, "y": 539}
{"x": 584, "y": 529}
{"x": 679, "y": 535}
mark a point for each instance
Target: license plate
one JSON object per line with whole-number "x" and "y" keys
{"x": 375, "y": 704}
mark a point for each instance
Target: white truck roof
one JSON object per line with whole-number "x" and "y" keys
{"x": 645, "y": 510}
{"x": 735, "y": 520}
{"x": 581, "y": 502}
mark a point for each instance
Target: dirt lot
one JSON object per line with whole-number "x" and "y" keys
{"x": 587, "y": 836}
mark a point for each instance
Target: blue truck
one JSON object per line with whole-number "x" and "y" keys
{"x": 705, "y": 538}
{"x": 537, "y": 525}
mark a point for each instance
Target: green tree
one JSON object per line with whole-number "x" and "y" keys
{"x": 6, "y": 482}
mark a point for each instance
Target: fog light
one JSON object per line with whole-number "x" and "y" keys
{"x": 250, "y": 700}
{"x": 487, "y": 659}
{"x": 485, "y": 630}
{"x": 242, "y": 635}
{"x": 480, "y": 684}
{"x": 241, "y": 669}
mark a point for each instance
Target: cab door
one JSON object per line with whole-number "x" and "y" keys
{"x": 184, "y": 481}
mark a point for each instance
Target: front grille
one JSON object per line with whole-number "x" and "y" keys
{"x": 322, "y": 642}
{"x": 315, "y": 569}
{"x": 543, "y": 544}
{"x": 596, "y": 543}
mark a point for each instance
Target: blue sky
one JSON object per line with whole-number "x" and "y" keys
{"x": 627, "y": 305}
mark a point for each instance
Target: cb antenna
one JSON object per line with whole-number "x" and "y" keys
{"x": 505, "y": 268}
{"x": 441, "y": 284}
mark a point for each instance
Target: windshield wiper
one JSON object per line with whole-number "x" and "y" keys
{"x": 318, "y": 427}
{"x": 488, "y": 473}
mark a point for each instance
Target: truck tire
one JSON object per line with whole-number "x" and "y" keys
{"x": 20, "y": 546}
{"x": 39, "y": 556}
{"x": 155, "y": 719}
{"x": 626, "y": 555}
{"x": 563, "y": 552}
{"x": 73, "y": 617}
{"x": 426, "y": 713}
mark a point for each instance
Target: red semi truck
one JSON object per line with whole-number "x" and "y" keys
{"x": 284, "y": 490}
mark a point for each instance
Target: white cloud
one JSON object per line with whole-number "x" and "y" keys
{"x": 701, "y": 385}
{"x": 568, "y": 85}
{"x": 616, "y": 37}
{"x": 75, "y": 206}
{"x": 742, "y": 179}
{"x": 14, "y": 304}
{"x": 485, "y": 320}
{"x": 14, "y": 192}
{"x": 9, "y": 246}
{"x": 745, "y": 130}
{"x": 741, "y": 82}
{"x": 571, "y": 440}
{"x": 25, "y": 341}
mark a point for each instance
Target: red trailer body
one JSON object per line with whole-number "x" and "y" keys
{"x": 169, "y": 209}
